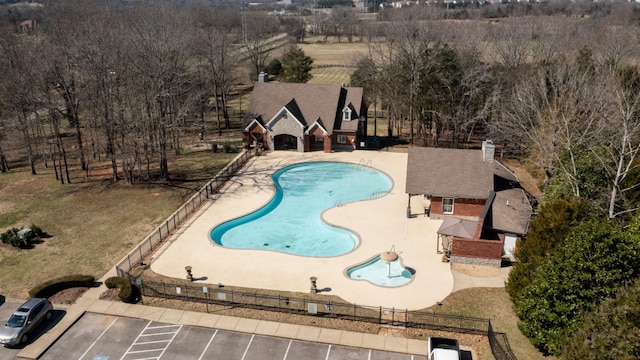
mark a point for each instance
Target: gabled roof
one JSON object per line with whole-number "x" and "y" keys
{"x": 308, "y": 102}
{"x": 257, "y": 121}
{"x": 455, "y": 173}
{"x": 317, "y": 123}
{"x": 291, "y": 109}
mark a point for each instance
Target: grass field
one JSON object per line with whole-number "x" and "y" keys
{"x": 93, "y": 223}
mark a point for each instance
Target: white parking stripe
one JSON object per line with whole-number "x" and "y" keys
{"x": 103, "y": 332}
{"x": 208, "y": 344}
{"x": 151, "y": 342}
{"x": 163, "y": 326}
{"x": 160, "y": 349}
{"x": 369, "y": 357}
{"x": 169, "y": 343}
{"x": 248, "y": 345}
{"x": 287, "y": 352}
{"x": 134, "y": 341}
{"x": 328, "y": 352}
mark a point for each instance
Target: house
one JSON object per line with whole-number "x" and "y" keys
{"x": 305, "y": 117}
{"x": 484, "y": 208}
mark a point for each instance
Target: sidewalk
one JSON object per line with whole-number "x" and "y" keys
{"x": 90, "y": 302}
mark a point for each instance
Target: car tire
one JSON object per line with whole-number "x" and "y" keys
{"x": 24, "y": 339}
{"x": 48, "y": 316}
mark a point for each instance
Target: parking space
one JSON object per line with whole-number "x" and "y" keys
{"x": 104, "y": 337}
{"x": 7, "y": 307}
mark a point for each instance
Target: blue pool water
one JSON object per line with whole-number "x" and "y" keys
{"x": 381, "y": 273}
{"x": 291, "y": 222}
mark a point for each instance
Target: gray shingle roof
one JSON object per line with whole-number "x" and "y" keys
{"x": 511, "y": 211}
{"x": 455, "y": 173}
{"x": 324, "y": 102}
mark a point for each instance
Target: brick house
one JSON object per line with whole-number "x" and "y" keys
{"x": 305, "y": 117}
{"x": 485, "y": 210}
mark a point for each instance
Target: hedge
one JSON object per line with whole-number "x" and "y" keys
{"x": 48, "y": 288}
{"x": 126, "y": 291}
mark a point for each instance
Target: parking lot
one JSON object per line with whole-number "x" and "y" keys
{"x": 103, "y": 337}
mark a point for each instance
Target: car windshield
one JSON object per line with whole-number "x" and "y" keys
{"x": 16, "y": 321}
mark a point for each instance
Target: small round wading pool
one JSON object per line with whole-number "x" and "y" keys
{"x": 382, "y": 273}
{"x": 292, "y": 221}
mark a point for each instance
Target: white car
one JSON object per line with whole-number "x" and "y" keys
{"x": 26, "y": 318}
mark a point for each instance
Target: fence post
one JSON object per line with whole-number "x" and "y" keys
{"x": 140, "y": 248}
{"x": 380, "y": 315}
{"x": 354, "y": 311}
{"x": 129, "y": 258}
{"x": 406, "y": 317}
{"x": 393, "y": 316}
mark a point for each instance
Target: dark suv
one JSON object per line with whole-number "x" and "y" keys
{"x": 26, "y": 318}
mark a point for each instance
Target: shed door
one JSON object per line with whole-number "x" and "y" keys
{"x": 509, "y": 244}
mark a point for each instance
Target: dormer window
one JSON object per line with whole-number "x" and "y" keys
{"x": 346, "y": 114}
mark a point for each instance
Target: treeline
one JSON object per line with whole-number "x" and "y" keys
{"x": 564, "y": 96}
{"x": 125, "y": 81}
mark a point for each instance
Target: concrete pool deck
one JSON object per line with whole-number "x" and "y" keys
{"x": 380, "y": 223}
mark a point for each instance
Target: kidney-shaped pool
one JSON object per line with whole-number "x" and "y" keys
{"x": 292, "y": 221}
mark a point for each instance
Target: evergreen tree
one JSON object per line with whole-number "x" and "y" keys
{"x": 611, "y": 332}
{"x": 596, "y": 261}
{"x": 296, "y": 66}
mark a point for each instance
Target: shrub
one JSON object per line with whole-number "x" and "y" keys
{"x": 214, "y": 147}
{"x": 126, "y": 290}
{"x": 50, "y": 287}
{"x": 36, "y": 230}
{"x": 12, "y": 236}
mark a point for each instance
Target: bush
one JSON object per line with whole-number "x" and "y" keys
{"x": 36, "y": 230}
{"x": 13, "y": 237}
{"x": 214, "y": 147}
{"x": 50, "y": 287}
{"x": 126, "y": 290}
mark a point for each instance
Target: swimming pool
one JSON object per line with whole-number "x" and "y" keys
{"x": 382, "y": 273}
{"x": 291, "y": 222}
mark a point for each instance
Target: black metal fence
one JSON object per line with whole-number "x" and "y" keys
{"x": 499, "y": 345}
{"x": 164, "y": 231}
{"x": 315, "y": 306}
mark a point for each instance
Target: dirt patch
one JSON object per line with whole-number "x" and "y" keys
{"x": 68, "y": 296}
{"x": 475, "y": 270}
{"x": 110, "y": 294}
{"x": 527, "y": 181}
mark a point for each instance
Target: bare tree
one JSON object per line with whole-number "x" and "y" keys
{"x": 259, "y": 30}
{"x": 622, "y": 140}
{"x": 555, "y": 112}
{"x": 159, "y": 53}
{"x": 409, "y": 40}
{"x": 16, "y": 91}
{"x": 63, "y": 64}
{"x": 221, "y": 64}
